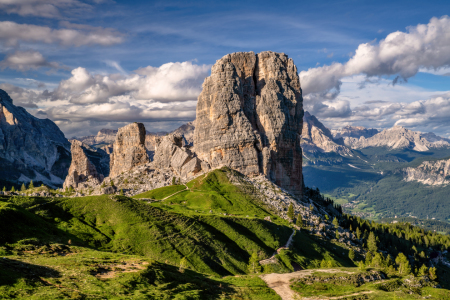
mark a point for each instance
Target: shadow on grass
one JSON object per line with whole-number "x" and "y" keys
{"x": 11, "y": 271}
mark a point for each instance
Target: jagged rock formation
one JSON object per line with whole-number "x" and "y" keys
{"x": 30, "y": 148}
{"x": 317, "y": 138}
{"x": 187, "y": 132}
{"x": 430, "y": 172}
{"x": 106, "y": 137}
{"x": 398, "y": 137}
{"x": 170, "y": 153}
{"x": 249, "y": 117}
{"x": 128, "y": 149}
{"x": 88, "y": 165}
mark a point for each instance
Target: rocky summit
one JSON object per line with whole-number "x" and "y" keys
{"x": 249, "y": 117}
{"x": 88, "y": 165}
{"x": 30, "y": 148}
{"x": 128, "y": 149}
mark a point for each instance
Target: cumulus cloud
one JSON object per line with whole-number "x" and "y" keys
{"x": 27, "y": 60}
{"x": 152, "y": 94}
{"x": 11, "y": 33}
{"x": 169, "y": 82}
{"x": 425, "y": 46}
{"x": 42, "y": 8}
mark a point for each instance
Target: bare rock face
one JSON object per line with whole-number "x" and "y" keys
{"x": 88, "y": 165}
{"x": 170, "y": 153}
{"x": 128, "y": 149}
{"x": 430, "y": 172}
{"x": 249, "y": 117}
{"x": 30, "y": 148}
{"x": 317, "y": 138}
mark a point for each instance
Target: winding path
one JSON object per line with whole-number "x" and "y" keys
{"x": 280, "y": 283}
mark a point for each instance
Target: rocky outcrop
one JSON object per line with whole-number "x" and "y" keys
{"x": 430, "y": 172}
{"x": 88, "y": 165}
{"x": 128, "y": 149}
{"x": 318, "y": 138}
{"x": 399, "y": 137}
{"x": 187, "y": 132}
{"x": 170, "y": 153}
{"x": 249, "y": 117}
{"x": 30, "y": 148}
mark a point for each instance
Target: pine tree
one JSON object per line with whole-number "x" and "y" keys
{"x": 253, "y": 264}
{"x": 361, "y": 266}
{"x": 121, "y": 192}
{"x": 111, "y": 183}
{"x": 369, "y": 258}
{"x": 350, "y": 228}
{"x": 377, "y": 260}
{"x": 183, "y": 264}
{"x": 432, "y": 272}
{"x": 335, "y": 222}
{"x": 327, "y": 217}
{"x": 403, "y": 264}
{"x": 423, "y": 270}
{"x": 299, "y": 221}
{"x": 13, "y": 189}
{"x": 291, "y": 211}
{"x": 4, "y": 189}
{"x": 23, "y": 188}
{"x": 351, "y": 254}
{"x": 174, "y": 181}
{"x": 337, "y": 234}
{"x": 372, "y": 243}
{"x": 31, "y": 186}
{"x": 323, "y": 264}
{"x": 311, "y": 207}
{"x": 358, "y": 233}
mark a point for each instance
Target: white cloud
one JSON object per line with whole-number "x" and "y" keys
{"x": 12, "y": 33}
{"x": 400, "y": 53}
{"x": 27, "y": 60}
{"x": 42, "y": 8}
{"x": 152, "y": 94}
{"x": 169, "y": 82}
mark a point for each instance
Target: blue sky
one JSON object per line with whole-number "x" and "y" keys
{"x": 75, "y": 61}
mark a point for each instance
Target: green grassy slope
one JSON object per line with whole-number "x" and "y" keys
{"x": 55, "y": 248}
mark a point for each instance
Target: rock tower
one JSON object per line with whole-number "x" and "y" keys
{"x": 128, "y": 149}
{"x": 249, "y": 117}
{"x": 88, "y": 165}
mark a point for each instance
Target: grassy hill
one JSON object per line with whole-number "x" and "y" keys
{"x": 195, "y": 244}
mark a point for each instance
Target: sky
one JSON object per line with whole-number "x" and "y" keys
{"x": 93, "y": 64}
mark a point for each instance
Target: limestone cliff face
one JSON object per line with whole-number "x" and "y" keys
{"x": 30, "y": 148}
{"x": 88, "y": 165}
{"x": 128, "y": 149}
{"x": 249, "y": 117}
{"x": 170, "y": 153}
{"x": 430, "y": 172}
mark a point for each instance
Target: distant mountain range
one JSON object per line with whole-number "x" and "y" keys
{"x": 376, "y": 173}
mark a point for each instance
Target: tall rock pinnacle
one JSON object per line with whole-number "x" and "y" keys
{"x": 129, "y": 149}
{"x": 249, "y": 117}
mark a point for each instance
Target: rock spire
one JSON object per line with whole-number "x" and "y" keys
{"x": 249, "y": 117}
{"x": 128, "y": 149}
